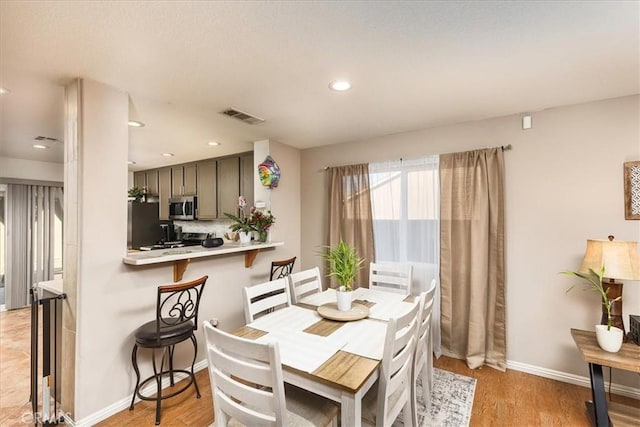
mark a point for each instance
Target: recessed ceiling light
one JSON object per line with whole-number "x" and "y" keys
{"x": 213, "y": 143}
{"x": 4, "y": 90}
{"x": 135, "y": 124}
{"x": 131, "y": 162}
{"x": 168, "y": 154}
{"x": 40, "y": 146}
{"x": 340, "y": 85}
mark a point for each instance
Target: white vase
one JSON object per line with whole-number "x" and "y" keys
{"x": 245, "y": 237}
{"x": 344, "y": 299}
{"x": 609, "y": 340}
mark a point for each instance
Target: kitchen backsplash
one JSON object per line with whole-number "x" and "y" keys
{"x": 215, "y": 228}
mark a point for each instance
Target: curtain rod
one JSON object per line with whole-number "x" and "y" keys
{"x": 502, "y": 147}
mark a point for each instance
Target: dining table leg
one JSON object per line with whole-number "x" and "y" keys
{"x": 351, "y": 410}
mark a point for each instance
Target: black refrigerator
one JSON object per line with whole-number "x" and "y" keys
{"x": 143, "y": 225}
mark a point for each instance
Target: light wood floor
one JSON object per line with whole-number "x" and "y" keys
{"x": 501, "y": 399}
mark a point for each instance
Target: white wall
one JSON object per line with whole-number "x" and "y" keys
{"x": 564, "y": 184}
{"x": 31, "y": 169}
{"x": 113, "y": 299}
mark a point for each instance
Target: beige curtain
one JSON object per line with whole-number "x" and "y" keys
{"x": 350, "y": 214}
{"x": 472, "y": 256}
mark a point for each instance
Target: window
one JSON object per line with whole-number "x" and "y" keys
{"x": 404, "y": 200}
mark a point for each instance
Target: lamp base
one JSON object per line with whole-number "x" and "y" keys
{"x": 614, "y": 290}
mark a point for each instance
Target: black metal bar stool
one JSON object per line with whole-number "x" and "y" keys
{"x": 280, "y": 269}
{"x": 176, "y": 320}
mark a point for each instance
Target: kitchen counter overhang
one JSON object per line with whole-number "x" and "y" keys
{"x": 181, "y": 256}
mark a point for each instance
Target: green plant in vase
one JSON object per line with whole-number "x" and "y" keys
{"x": 241, "y": 222}
{"x": 594, "y": 283}
{"x": 344, "y": 264}
{"x": 136, "y": 193}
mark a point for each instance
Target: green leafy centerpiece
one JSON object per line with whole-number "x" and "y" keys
{"x": 344, "y": 264}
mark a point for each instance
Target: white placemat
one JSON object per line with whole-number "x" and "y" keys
{"x": 320, "y": 298}
{"x": 363, "y": 337}
{"x": 302, "y": 351}
{"x": 286, "y": 319}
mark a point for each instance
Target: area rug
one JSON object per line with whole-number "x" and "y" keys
{"x": 451, "y": 401}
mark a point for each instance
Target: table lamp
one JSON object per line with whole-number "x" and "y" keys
{"x": 621, "y": 261}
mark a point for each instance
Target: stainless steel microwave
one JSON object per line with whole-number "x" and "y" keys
{"x": 184, "y": 207}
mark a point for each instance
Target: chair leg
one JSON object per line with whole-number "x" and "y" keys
{"x": 195, "y": 354}
{"x": 171, "y": 348}
{"x": 158, "y": 376}
{"x": 134, "y": 362}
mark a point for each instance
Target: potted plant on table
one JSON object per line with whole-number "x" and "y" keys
{"x": 609, "y": 337}
{"x": 344, "y": 264}
{"x": 241, "y": 223}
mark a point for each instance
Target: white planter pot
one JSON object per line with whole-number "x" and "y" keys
{"x": 344, "y": 299}
{"x": 245, "y": 237}
{"x": 609, "y": 340}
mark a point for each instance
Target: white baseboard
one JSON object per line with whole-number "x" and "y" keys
{"x": 122, "y": 404}
{"x": 570, "y": 378}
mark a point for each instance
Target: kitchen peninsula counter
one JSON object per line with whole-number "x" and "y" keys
{"x": 181, "y": 256}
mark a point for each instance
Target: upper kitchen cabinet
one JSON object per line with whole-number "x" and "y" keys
{"x": 164, "y": 191}
{"x": 184, "y": 180}
{"x": 228, "y": 185}
{"x": 235, "y": 178}
{"x": 152, "y": 182}
{"x": 140, "y": 179}
{"x": 207, "y": 187}
{"x": 246, "y": 177}
{"x": 147, "y": 180}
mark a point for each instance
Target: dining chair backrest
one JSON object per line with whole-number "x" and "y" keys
{"x": 280, "y": 269}
{"x": 304, "y": 283}
{"x": 246, "y": 380}
{"x": 394, "y": 387}
{"x": 265, "y": 297}
{"x": 423, "y": 359}
{"x": 391, "y": 277}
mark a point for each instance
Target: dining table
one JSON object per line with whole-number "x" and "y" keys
{"x": 338, "y": 360}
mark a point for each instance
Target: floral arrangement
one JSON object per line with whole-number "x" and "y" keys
{"x": 261, "y": 222}
{"x": 257, "y": 220}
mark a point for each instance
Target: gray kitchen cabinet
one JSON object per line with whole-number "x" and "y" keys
{"x": 228, "y": 185}
{"x": 184, "y": 180}
{"x": 190, "y": 179}
{"x": 139, "y": 179}
{"x": 152, "y": 182}
{"x": 246, "y": 177}
{"x": 207, "y": 189}
{"x": 164, "y": 191}
{"x": 147, "y": 180}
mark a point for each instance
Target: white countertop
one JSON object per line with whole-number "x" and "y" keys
{"x": 188, "y": 252}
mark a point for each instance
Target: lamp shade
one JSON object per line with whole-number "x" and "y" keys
{"x": 620, "y": 258}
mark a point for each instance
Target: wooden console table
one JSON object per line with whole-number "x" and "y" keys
{"x": 628, "y": 359}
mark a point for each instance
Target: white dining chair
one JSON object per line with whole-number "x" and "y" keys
{"x": 382, "y": 405}
{"x": 391, "y": 277}
{"x": 305, "y": 283}
{"x": 248, "y": 389}
{"x": 423, "y": 358}
{"x": 265, "y": 297}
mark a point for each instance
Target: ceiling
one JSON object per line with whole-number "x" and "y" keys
{"x": 413, "y": 65}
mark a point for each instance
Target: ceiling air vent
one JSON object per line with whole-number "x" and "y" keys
{"x": 241, "y": 115}
{"x": 46, "y": 139}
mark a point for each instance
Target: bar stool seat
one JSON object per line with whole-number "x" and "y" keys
{"x": 147, "y": 336}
